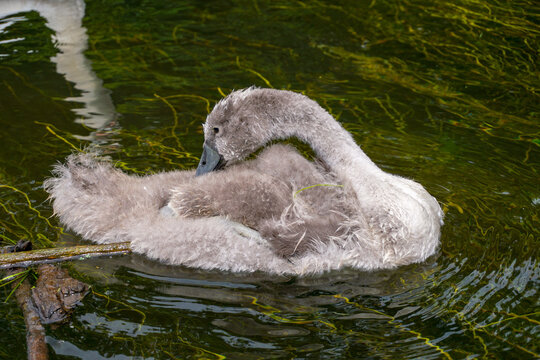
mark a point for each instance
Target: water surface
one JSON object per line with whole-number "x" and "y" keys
{"x": 442, "y": 92}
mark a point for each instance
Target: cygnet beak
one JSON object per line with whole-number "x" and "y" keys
{"x": 210, "y": 160}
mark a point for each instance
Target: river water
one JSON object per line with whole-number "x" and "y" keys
{"x": 442, "y": 92}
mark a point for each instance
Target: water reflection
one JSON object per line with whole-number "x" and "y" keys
{"x": 255, "y": 311}
{"x": 281, "y": 316}
{"x": 66, "y": 348}
{"x": 65, "y": 17}
{"x": 302, "y": 294}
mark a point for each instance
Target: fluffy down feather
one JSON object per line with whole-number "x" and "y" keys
{"x": 278, "y": 213}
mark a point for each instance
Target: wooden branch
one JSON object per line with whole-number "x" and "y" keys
{"x": 41, "y": 256}
{"x": 55, "y": 294}
{"x": 35, "y": 332}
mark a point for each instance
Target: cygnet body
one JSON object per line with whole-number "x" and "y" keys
{"x": 278, "y": 213}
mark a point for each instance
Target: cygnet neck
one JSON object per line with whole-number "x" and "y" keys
{"x": 332, "y": 144}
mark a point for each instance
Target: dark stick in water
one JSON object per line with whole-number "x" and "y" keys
{"x": 35, "y": 332}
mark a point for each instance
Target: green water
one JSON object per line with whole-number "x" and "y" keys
{"x": 443, "y": 92}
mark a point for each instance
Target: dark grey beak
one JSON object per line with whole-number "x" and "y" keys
{"x": 210, "y": 160}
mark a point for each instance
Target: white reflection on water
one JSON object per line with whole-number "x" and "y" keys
{"x": 62, "y": 347}
{"x": 64, "y": 17}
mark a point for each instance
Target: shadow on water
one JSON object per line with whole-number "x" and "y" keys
{"x": 445, "y": 93}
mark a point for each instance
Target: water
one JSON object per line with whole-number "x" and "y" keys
{"x": 445, "y": 93}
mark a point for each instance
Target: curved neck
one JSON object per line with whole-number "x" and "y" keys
{"x": 332, "y": 143}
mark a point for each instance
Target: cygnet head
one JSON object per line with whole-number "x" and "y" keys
{"x": 243, "y": 122}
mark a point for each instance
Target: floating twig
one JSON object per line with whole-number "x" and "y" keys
{"x": 42, "y": 256}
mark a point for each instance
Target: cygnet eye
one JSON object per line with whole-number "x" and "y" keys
{"x": 216, "y": 130}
